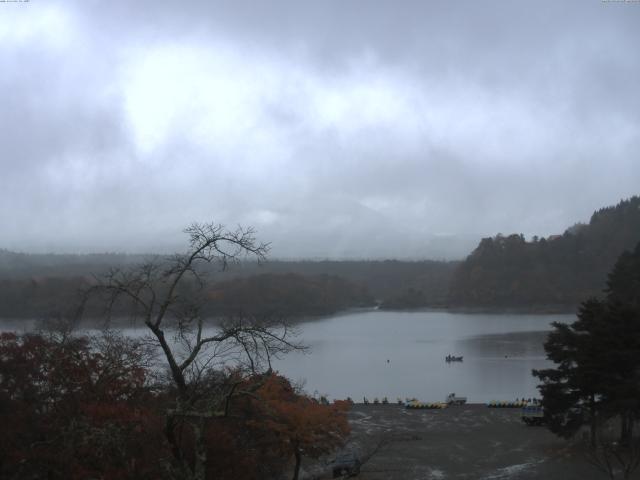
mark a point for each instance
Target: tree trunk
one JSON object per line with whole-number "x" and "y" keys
{"x": 296, "y": 471}
{"x": 594, "y": 421}
{"x": 176, "y": 373}
{"x": 200, "y": 467}
{"x": 626, "y": 428}
{"x": 170, "y": 434}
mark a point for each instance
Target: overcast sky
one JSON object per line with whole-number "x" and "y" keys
{"x": 336, "y": 128}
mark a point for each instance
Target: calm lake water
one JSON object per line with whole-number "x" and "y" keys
{"x": 348, "y": 355}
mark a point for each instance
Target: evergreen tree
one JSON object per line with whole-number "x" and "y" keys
{"x": 623, "y": 284}
{"x": 623, "y": 298}
{"x": 597, "y": 357}
{"x": 571, "y": 392}
{"x": 558, "y": 272}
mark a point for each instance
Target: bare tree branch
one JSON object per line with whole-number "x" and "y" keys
{"x": 160, "y": 291}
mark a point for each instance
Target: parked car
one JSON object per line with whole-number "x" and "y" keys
{"x": 453, "y": 400}
{"x": 533, "y": 415}
{"x": 346, "y": 464}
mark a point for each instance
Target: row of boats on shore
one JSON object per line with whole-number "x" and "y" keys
{"x": 452, "y": 399}
{"x": 532, "y": 414}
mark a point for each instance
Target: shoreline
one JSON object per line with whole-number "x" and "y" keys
{"x": 514, "y": 310}
{"x": 127, "y": 323}
{"x": 456, "y": 443}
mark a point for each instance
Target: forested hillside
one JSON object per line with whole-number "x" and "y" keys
{"x": 553, "y": 273}
{"x": 33, "y": 286}
{"x": 287, "y": 295}
{"x": 558, "y": 272}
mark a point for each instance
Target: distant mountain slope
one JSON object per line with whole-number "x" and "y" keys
{"x": 15, "y": 265}
{"x": 558, "y": 272}
{"x": 286, "y": 295}
{"x": 35, "y": 285}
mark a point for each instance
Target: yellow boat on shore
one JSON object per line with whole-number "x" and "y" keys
{"x": 425, "y": 406}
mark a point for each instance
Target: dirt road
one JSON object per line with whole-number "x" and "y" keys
{"x": 465, "y": 442}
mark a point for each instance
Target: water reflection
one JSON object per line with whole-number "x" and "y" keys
{"x": 349, "y": 355}
{"x": 400, "y": 354}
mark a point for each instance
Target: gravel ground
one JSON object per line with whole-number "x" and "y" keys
{"x": 462, "y": 442}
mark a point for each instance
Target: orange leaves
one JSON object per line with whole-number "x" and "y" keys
{"x": 81, "y": 408}
{"x": 67, "y": 413}
{"x": 268, "y": 422}
{"x": 300, "y": 422}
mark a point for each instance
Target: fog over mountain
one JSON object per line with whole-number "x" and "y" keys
{"x": 336, "y": 128}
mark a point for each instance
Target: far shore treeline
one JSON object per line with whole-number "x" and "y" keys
{"x": 505, "y": 272}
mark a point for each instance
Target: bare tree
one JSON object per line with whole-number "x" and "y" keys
{"x": 614, "y": 459}
{"x": 167, "y": 296}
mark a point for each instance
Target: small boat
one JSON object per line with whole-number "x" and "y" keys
{"x": 452, "y": 358}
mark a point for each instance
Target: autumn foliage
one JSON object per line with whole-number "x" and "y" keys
{"x": 79, "y": 407}
{"x": 289, "y": 425}
{"x": 75, "y": 408}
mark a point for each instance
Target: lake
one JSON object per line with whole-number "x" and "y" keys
{"x": 349, "y": 355}
{"x": 349, "y": 352}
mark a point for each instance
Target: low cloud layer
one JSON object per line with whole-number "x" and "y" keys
{"x": 337, "y": 129}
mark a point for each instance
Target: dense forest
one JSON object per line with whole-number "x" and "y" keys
{"x": 281, "y": 295}
{"x": 556, "y": 273}
{"x": 35, "y": 285}
{"x": 287, "y": 295}
{"x": 506, "y": 271}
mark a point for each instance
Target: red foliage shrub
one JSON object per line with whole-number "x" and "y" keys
{"x": 76, "y": 408}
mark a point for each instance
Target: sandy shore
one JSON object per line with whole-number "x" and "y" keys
{"x": 465, "y": 442}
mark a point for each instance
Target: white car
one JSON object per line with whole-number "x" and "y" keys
{"x": 453, "y": 400}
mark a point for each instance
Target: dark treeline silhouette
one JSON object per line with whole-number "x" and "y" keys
{"x": 289, "y": 295}
{"x": 553, "y": 273}
{"x": 596, "y": 372}
{"x": 557, "y": 272}
{"x": 36, "y": 296}
{"x": 385, "y": 280}
{"x": 286, "y": 295}
{"x": 34, "y": 285}
{"x": 15, "y": 265}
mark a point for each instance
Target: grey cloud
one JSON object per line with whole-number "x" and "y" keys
{"x": 494, "y": 117}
